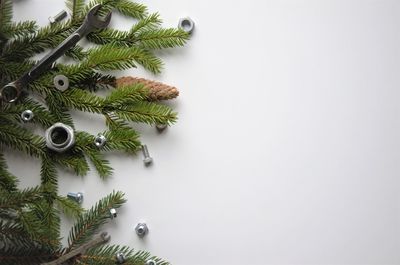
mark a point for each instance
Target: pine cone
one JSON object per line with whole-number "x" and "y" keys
{"x": 158, "y": 91}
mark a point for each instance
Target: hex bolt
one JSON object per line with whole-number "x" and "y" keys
{"x": 76, "y": 196}
{"x": 57, "y": 18}
{"x": 113, "y": 213}
{"x": 120, "y": 257}
{"x": 141, "y": 229}
{"x": 147, "y": 160}
{"x": 151, "y": 262}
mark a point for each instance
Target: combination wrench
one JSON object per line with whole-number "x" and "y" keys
{"x": 12, "y": 91}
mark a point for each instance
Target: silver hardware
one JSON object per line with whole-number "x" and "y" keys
{"x": 100, "y": 140}
{"x": 151, "y": 262}
{"x": 60, "y": 137}
{"x": 57, "y": 18}
{"x": 27, "y": 115}
{"x": 113, "y": 213}
{"x": 186, "y": 24}
{"x": 120, "y": 257}
{"x": 141, "y": 229}
{"x": 161, "y": 127}
{"x": 61, "y": 82}
{"x": 147, "y": 160}
{"x": 76, "y": 196}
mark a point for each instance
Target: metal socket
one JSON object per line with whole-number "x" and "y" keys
{"x": 60, "y": 137}
{"x": 186, "y": 24}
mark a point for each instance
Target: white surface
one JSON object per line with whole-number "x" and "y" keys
{"x": 287, "y": 147}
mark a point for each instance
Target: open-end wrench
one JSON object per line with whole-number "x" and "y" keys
{"x": 11, "y": 92}
{"x": 99, "y": 239}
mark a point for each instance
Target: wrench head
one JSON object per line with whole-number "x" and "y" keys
{"x": 95, "y": 21}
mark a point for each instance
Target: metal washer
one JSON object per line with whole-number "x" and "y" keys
{"x": 61, "y": 82}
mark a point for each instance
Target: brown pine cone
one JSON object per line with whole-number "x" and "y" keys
{"x": 158, "y": 91}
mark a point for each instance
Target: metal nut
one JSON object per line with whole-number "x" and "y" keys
{"x": 27, "y": 115}
{"x": 161, "y": 127}
{"x": 113, "y": 213}
{"x": 186, "y": 24}
{"x": 61, "y": 82}
{"x": 100, "y": 141}
{"x": 151, "y": 262}
{"x": 60, "y": 137}
{"x": 141, "y": 229}
{"x": 78, "y": 196}
{"x": 120, "y": 257}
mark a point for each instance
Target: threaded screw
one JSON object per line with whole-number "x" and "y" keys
{"x": 147, "y": 160}
{"x": 76, "y": 196}
{"x": 57, "y": 18}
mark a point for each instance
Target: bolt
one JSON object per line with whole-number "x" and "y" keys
{"x": 151, "y": 262}
{"x": 147, "y": 159}
{"x": 141, "y": 229}
{"x": 78, "y": 196}
{"x": 120, "y": 257}
{"x": 113, "y": 213}
{"x": 57, "y": 18}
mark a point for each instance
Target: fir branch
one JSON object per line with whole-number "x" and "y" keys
{"x": 106, "y": 255}
{"x": 19, "y": 29}
{"x": 69, "y": 207}
{"x": 7, "y": 180}
{"x": 162, "y": 38}
{"x": 131, "y": 9}
{"x": 88, "y": 224}
{"x": 6, "y": 13}
{"x": 18, "y": 199}
{"x": 151, "y": 22}
{"x": 76, "y": 8}
{"x": 12, "y": 255}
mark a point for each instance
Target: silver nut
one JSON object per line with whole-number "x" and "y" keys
{"x": 27, "y": 115}
{"x": 61, "y": 82}
{"x": 186, "y": 24}
{"x": 113, "y": 213}
{"x": 151, "y": 262}
{"x": 60, "y": 137}
{"x": 100, "y": 141}
{"x": 120, "y": 257}
{"x": 141, "y": 229}
{"x": 161, "y": 127}
{"x": 78, "y": 197}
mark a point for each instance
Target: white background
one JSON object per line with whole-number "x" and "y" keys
{"x": 287, "y": 147}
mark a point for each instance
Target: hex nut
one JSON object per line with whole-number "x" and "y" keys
{"x": 100, "y": 141}
{"x": 161, "y": 127}
{"x": 151, "y": 262}
{"x": 186, "y": 24}
{"x": 113, "y": 213}
{"x": 61, "y": 82}
{"x": 60, "y": 137}
{"x": 120, "y": 257}
{"x": 27, "y": 115}
{"x": 141, "y": 229}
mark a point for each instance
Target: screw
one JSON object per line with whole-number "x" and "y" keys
{"x": 147, "y": 159}
{"x": 57, "y": 18}
{"x": 151, "y": 262}
{"x": 120, "y": 257}
{"x": 113, "y": 213}
{"x": 141, "y": 229}
{"x": 78, "y": 196}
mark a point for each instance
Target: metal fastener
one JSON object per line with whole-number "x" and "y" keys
{"x": 147, "y": 159}
{"x": 57, "y": 18}
{"x": 61, "y": 82}
{"x": 141, "y": 229}
{"x": 161, "y": 127}
{"x": 120, "y": 257}
{"x": 151, "y": 262}
{"x": 100, "y": 141}
{"x": 113, "y": 213}
{"x": 186, "y": 24}
{"x": 60, "y": 137}
{"x": 76, "y": 196}
{"x": 27, "y": 115}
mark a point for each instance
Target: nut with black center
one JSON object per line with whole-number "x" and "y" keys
{"x": 186, "y": 24}
{"x": 141, "y": 229}
{"x": 151, "y": 262}
{"x": 100, "y": 141}
{"x": 60, "y": 137}
{"x": 27, "y": 115}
